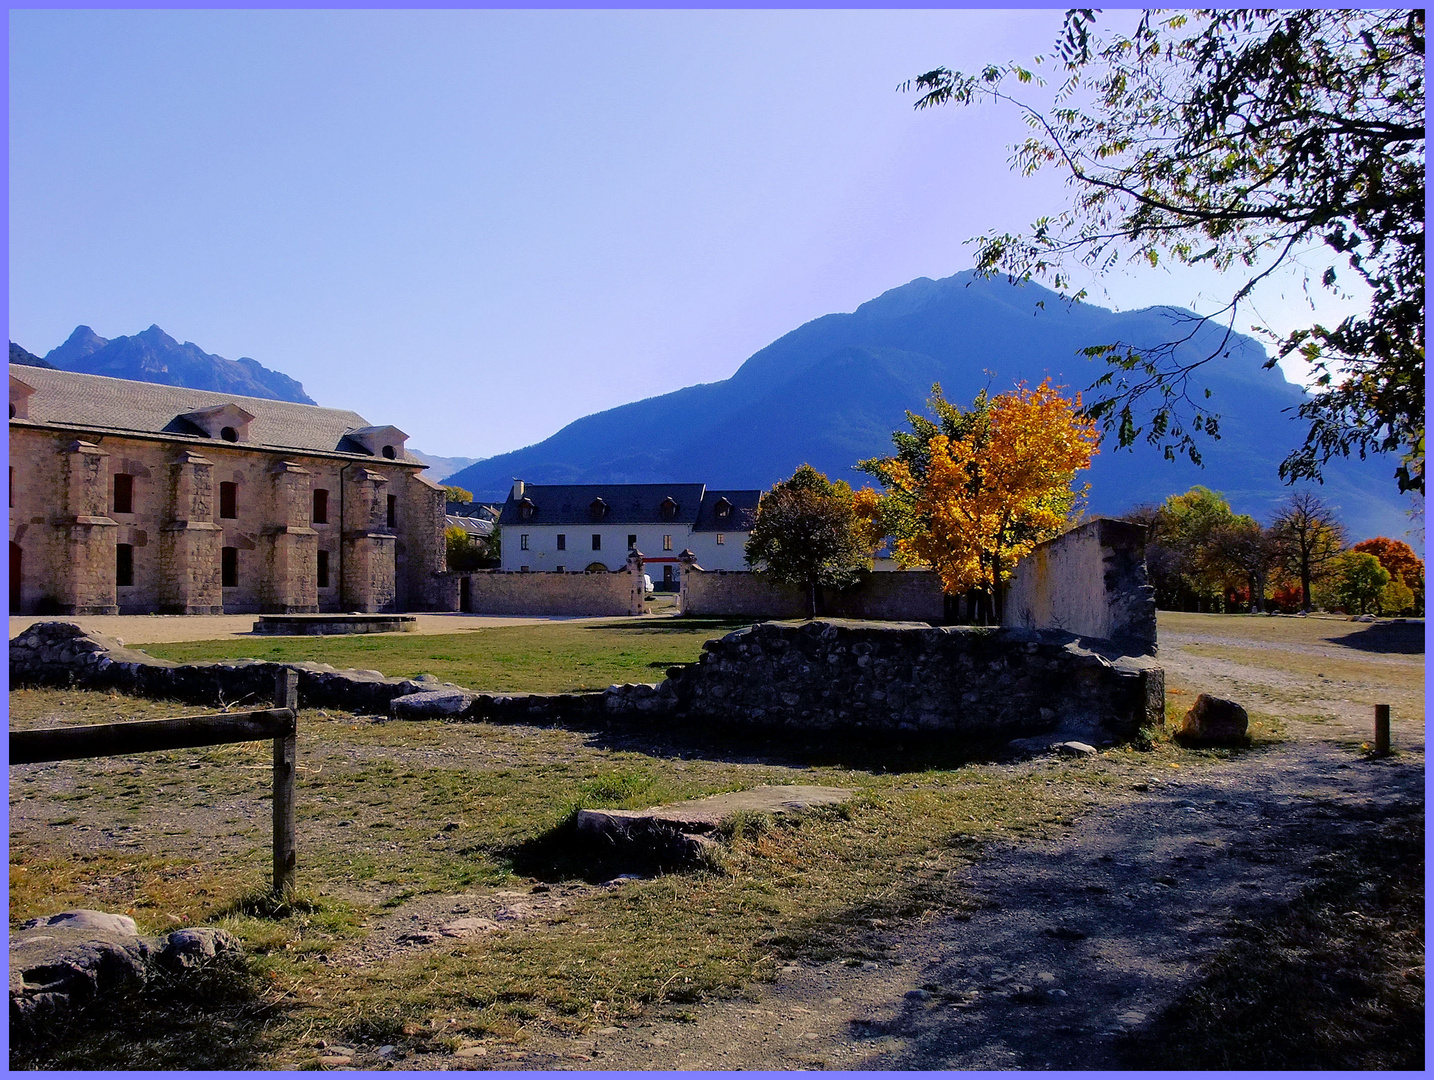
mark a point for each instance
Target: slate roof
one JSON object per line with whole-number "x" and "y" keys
{"x": 628, "y": 504}
{"x": 70, "y": 399}
{"x": 471, "y": 525}
{"x": 743, "y": 513}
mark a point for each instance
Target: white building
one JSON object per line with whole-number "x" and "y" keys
{"x": 577, "y": 527}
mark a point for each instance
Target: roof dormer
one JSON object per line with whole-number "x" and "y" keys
{"x": 526, "y": 508}
{"x": 20, "y": 399}
{"x": 227, "y": 422}
{"x": 722, "y": 508}
{"x": 668, "y": 508}
{"x": 385, "y": 442}
{"x": 597, "y": 509}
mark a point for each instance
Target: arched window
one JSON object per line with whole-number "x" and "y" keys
{"x": 228, "y": 434}
{"x": 388, "y": 452}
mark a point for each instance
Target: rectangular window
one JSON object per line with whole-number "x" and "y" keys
{"x": 721, "y": 538}
{"x": 228, "y": 500}
{"x": 392, "y": 511}
{"x": 229, "y": 568}
{"x": 562, "y": 541}
{"x": 124, "y": 564}
{"x": 323, "y": 569}
{"x": 631, "y": 541}
{"x": 321, "y": 506}
{"x": 667, "y": 542}
{"x": 597, "y": 541}
{"x": 523, "y": 542}
{"x": 561, "y": 569}
{"x": 124, "y": 494}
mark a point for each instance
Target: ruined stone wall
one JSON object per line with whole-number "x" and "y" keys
{"x": 972, "y": 681}
{"x": 503, "y": 592}
{"x": 1090, "y": 582}
{"x": 66, "y": 528}
{"x": 839, "y": 677}
{"x": 902, "y": 596}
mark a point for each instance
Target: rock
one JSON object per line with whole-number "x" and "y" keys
{"x": 918, "y": 995}
{"x": 1075, "y": 749}
{"x": 430, "y": 704}
{"x": 183, "y": 949}
{"x": 461, "y": 928}
{"x": 1215, "y": 721}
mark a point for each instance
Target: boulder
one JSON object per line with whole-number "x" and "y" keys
{"x": 1214, "y": 721}
{"x": 185, "y": 949}
{"x": 430, "y": 704}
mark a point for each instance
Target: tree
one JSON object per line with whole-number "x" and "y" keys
{"x": 1198, "y": 550}
{"x": 1404, "y": 568}
{"x": 1241, "y": 547}
{"x": 973, "y": 491}
{"x": 458, "y": 494}
{"x": 465, "y": 552}
{"x": 812, "y": 533}
{"x": 1244, "y": 140}
{"x": 1357, "y": 579}
{"x": 1308, "y": 538}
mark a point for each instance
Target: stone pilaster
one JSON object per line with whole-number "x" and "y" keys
{"x": 637, "y": 602}
{"x": 85, "y": 534}
{"x": 288, "y": 544}
{"x": 189, "y": 541}
{"x": 369, "y": 578}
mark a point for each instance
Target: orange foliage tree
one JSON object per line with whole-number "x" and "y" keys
{"x": 1402, "y": 563}
{"x": 975, "y": 490}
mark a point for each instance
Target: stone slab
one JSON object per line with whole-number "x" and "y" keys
{"x": 704, "y": 815}
{"x": 430, "y": 704}
{"x": 334, "y": 623}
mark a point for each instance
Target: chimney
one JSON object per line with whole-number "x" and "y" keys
{"x": 517, "y": 492}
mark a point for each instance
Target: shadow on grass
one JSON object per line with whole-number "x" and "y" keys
{"x": 212, "y": 1018}
{"x": 680, "y": 624}
{"x": 1407, "y": 637}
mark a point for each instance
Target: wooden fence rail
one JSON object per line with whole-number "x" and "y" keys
{"x": 144, "y": 736}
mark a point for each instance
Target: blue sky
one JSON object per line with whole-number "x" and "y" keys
{"x": 481, "y": 225}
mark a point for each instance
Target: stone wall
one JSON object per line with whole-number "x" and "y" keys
{"x": 504, "y": 592}
{"x": 902, "y": 596}
{"x": 833, "y": 676}
{"x": 972, "y": 681}
{"x": 1090, "y": 582}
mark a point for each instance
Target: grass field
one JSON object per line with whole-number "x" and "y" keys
{"x": 552, "y": 657}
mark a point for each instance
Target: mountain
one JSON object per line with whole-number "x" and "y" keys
{"x": 154, "y": 356}
{"x": 24, "y": 358}
{"x": 440, "y": 468}
{"x": 832, "y": 391}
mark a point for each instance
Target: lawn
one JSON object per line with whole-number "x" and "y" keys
{"x": 551, "y": 657}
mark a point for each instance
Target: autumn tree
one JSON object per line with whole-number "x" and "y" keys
{"x": 1243, "y": 140}
{"x": 454, "y": 493}
{"x": 1198, "y": 550}
{"x": 1405, "y": 568}
{"x": 813, "y": 533}
{"x": 972, "y": 491}
{"x": 1308, "y": 537}
{"x": 1356, "y": 580}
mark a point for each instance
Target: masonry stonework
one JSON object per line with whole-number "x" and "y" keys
{"x": 902, "y": 596}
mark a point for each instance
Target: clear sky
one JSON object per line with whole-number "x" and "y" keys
{"x": 481, "y": 225}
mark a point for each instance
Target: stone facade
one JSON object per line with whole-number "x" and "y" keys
{"x": 498, "y": 592}
{"x": 1090, "y": 582}
{"x": 902, "y": 596}
{"x": 109, "y": 519}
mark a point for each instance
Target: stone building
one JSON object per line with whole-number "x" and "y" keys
{"x": 132, "y": 497}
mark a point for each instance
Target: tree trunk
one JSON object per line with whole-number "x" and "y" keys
{"x": 811, "y": 598}
{"x": 1305, "y": 586}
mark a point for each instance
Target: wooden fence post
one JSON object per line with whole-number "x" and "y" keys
{"x": 286, "y": 696}
{"x": 1381, "y": 729}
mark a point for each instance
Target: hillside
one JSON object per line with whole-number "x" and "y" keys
{"x": 154, "y": 356}
{"x": 25, "y": 359}
{"x": 831, "y": 392}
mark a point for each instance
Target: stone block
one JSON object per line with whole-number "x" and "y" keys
{"x": 1214, "y": 721}
{"x": 430, "y": 704}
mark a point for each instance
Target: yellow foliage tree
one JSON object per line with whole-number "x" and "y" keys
{"x": 988, "y": 484}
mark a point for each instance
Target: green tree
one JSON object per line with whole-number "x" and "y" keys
{"x": 810, "y": 533}
{"x": 465, "y": 552}
{"x": 1198, "y": 550}
{"x": 1244, "y": 140}
{"x": 1357, "y": 579}
{"x": 1308, "y": 539}
{"x": 458, "y": 494}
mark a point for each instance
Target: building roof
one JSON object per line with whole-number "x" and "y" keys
{"x": 471, "y": 525}
{"x": 121, "y": 406}
{"x": 742, "y": 512}
{"x": 627, "y": 504}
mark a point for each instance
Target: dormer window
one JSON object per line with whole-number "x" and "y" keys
{"x": 526, "y": 508}
{"x": 20, "y": 399}
{"x": 598, "y": 509}
{"x": 388, "y": 452}
{"x": 668, "y": 507}
{"x": 227, "y": 422}
{"x": 384, "y": 441}
{"x": 723, "y": 508}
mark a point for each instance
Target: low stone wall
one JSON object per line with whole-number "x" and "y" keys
{"x": 900, "y": 596}
{"x": 836, "y": 676}
{"x": 1090, "y": 582}
{"x": 976, "y": 681}
{"x": 499, "y": 592}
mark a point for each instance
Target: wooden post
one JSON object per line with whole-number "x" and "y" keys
{"x": 1381, "y": 729}
{"x": 286, "y": 696}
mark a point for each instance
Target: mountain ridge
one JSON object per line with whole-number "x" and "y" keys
{"x": 831, "y": 391}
